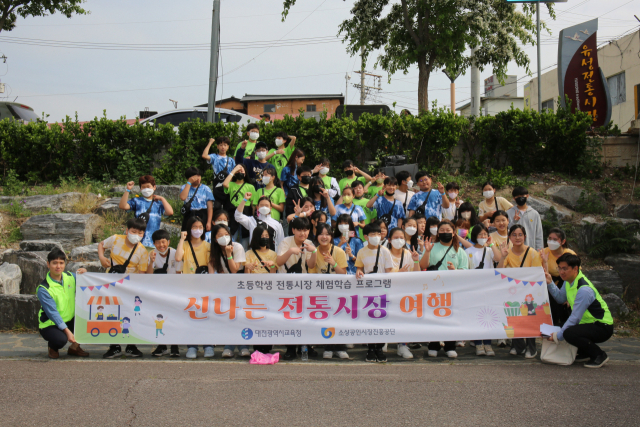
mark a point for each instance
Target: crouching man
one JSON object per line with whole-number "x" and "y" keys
{"x": 57, "y": 295}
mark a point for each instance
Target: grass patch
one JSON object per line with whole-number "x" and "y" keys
{"x": 80, "y": 185}
{"x": 10, "y": 234}
{"x": 84, "y": 205}
{"x": 112, "y": 224}
{"x": 17, "y": 209}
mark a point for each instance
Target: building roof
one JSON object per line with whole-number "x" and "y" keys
{"x": 490, "y": 98}
{"x": 248, "y": 97}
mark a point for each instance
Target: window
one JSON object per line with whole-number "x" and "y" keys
{"x": 617, "y": 89}
{"x": 174, "y": 118}
{"x": 269, "y": 108}
{"x": 311, "y": 108}
{"x": 548, "y": 105}
{"x": 218, "y": 117}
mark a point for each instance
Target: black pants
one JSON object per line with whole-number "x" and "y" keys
{"x": 448, "y": 345}
{"x": 559, "y": 312}
{"x": 263, "y": 348}
{"x": 522, "y": 344}
{"x": 586, "y": 336}
{"x": 200, "y": 213}
{"x": 55, "y": 337}
{"x": 376, "y": 346}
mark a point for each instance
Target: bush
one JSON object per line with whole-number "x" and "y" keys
{"x": 615, "y": 238}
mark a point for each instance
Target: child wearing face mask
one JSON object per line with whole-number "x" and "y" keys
{"x": 346, "y": 238}
{"x": 385, "y": 203}
{"x": 149, "y": 207}
{"x": 352, "y": 171}
{"x": 467, "y": 220}
{"x": 529, "y": 218}
{"x": 321, "y": 198}
{"x": 414, "y": 241}
{"x": 291, "y": 173}
{"x": 361, "y": 200}
{"x": 271, "y": 190}
{"x": 236, "y": 186}
{"x": 262, "y": 217}
{"x": 377, "y": 182}
{"x": 329, "y": 182}
{"x": 253, "y": 133}
{"x": 219, "y": 217}
{"x": 348, "y": 207}
{"x": 431, "y": 228}
{"x": 197, "y": 197}
{"x": 453, "y": 190}
{"x": 282, "y": 154}
{"x": 221, "y": 163}
{"x": 403, "y": 192}
{"x": 254, "y": 168}
{"x": 126, "y": 251}
{"x": 491, "y": 202}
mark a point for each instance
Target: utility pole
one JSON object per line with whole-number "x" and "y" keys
{"x": 347, "y": 77}
{"x": 538, "y": 43}
{"x": 452, "y": 78}
{"x": 475, "y": 86}
{"x": 362, "y": 71}
{"x": 213, "y": 72}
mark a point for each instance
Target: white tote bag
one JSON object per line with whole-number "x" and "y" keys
{"x": 558, "y": 354}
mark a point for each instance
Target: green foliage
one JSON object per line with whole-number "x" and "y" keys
{"x": 12, "y": 186}
{"x": 16, "y": 208}
{"x": 10, "y": 10}
{"x": 590, "y": 201}
{"x": 177, "y": 217}
{"x": 615, "y": 238}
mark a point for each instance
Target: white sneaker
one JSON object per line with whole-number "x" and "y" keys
{"x": 384, "y": 348}
{"x": 227, "y": 354}
{"x": 349, "y": 345}
{"x": 403, "y": 351}
{"x": 208, "y": 352}
{"x": 528, "y": 355}
{"x": 452, "y": 354}
{"x": 432, "y": 353}
{"x": 502, "y": 343}
{"x": 459, "y": 343}
{"x": 513, "y": 351}
{"x": 245, "y": 352}
{"x": 192, "y": 353}
{"x": 472, "y": 343}
{"x": 480, "y": 350}
{"x": 342, "y": 354}
{"x": 327, "y": 355}
{"x": 488, "y": 350}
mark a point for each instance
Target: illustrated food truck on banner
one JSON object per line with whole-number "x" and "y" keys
{"x": 106, "y": 325}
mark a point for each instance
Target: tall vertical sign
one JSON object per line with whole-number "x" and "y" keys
{"x": 579, "y": 76}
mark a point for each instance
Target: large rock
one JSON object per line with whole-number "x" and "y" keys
{"x": 40, "y": 245}
{"x": 56, "y": 202}
{"x": 591, "y": 230}
{"x": 174, "y": 230}
{"x": 627, "y": 211}
{"x": 19, "y": 310}
{"x": 606, "y": 281}
{"x": 167, "y": 191}
{"x": 568, "y": 195}
{"x": 33, "y": 268}
{"x": 91, "y": 266}
{"x": 617, "y": 307}
{"x": 628, "y": 267}
{"x": 71, "y": 230}
{"x": 110, "y": 207}
{"x": 85, "y": 253}
{"x": 544, "y": 206}
{"x": 10, "y": 278}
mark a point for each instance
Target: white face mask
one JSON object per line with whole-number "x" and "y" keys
{"x": 398, "y": 243}
{"x": 410, "y": 184}
{"x": 279, "y": 142}
{"x": 482, "y": 242}
{"x": 224, "y": 240}
{"x": 452, "y": 195}
{"x": 466, "y": 215}
{"x": 344, "y": 228}
{"x": 375, "y": 241}
{"x": 253, "y": 136}
{"x": 553, "y": 245}
{"x": 324, "y": 171}
{"x": 163, "y": 253}
{"x": 261, "y": 154}
{"x": 411, "y": 230}
{"x": 134, "y": 239}
{"x": 222, "y": 223}
{"x": 264, "y": 210}
{"x": 196, "y": 232}
{"x": 266, "y": 180}
{"x": 433, "y": 230}
{"x": 487, "y": 194}
{"x": 147, "y": 192}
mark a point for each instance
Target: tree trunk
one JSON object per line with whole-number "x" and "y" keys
{"x": 423, "y": 85}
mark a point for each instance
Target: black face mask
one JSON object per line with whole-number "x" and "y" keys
{"x": 239, "y": 176}
{"x": 264, "y": 241}
{"x": 446, "y": 237}
{"x": 390, "y": 195}
{"x": 315, "y": 189}
{"x": 349, "y": 172}
{"x": 305, "y": 180}
{"x": 521, "y": 201}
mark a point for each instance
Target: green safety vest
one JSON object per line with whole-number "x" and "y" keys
{"x": 598, "y": 311}
{"x": 64, "y": 296}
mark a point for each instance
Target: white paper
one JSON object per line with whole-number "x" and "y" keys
{"x": 548, "y": 330}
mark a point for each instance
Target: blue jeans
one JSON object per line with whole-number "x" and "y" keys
{"x": 482, "y": 342}
{"x": 233, "y": 347}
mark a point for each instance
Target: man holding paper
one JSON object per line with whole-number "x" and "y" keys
{"x": 590, "y": 321}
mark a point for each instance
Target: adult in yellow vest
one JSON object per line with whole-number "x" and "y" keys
{"x": 57, "y": 295}
{"x": 590, "y": 321}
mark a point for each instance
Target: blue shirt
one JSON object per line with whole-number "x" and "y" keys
{"x": 433, "y": 206}
{"x": 49, "y": 305}
{"x": 139, "y": 205}
{"x": 318, "y": 205}
{"x": 220, "y": 163}
{"x": 584, "y": 298}
{"x": 383, "y": 206}
{"x": 200, "y": 202}
{"x": 355, "y": 244}
{"x": 357, "y": 215}
{"x": 289, "y": 179}
{"x": 253, "y": 167}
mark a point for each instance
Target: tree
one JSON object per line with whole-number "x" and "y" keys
{"x": 11, "y": 9}
{"x": 435, "y": 34}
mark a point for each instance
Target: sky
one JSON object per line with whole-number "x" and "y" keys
{"x": 129, "y": 55}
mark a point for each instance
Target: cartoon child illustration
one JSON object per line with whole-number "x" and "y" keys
{"x": 531, "y": 306}
{"x": 99, "y": 314}
{"x": 138, "y": 303}
{"x": 159, "y": 322}
{"x": 126, "y": 324}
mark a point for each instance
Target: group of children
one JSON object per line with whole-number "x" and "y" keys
{"x": 268, "y": 213}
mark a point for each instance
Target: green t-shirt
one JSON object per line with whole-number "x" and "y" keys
{"x": 232, "y": 191}
{"x": 276, "y": 195}
{"x": 373, "y": 190}
{"x": 346, "y": 182}
{"x": 279, "y": 161}
{"x": 248, "y": 152}
{"x": 370, "y": 214}
{"x": 458, "y": 259}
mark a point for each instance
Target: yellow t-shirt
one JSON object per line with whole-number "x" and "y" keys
{"x": 120, "y": 253}
{"x": 406, "y": 261}
{"x": 202, "y": 255}
{"x": 552, "y": 263}
{"x": 159, "y": 324}
{"x": 321, "y": 265}
{"x": 503, "y": 204}
{"x": 266, "y": 256}
{"x": 533, "y": 259}
{"x": 498, "y": 239}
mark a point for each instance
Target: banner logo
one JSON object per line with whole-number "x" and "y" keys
{"x": 247, "y": 333}
{"x": 328, "y": 332}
